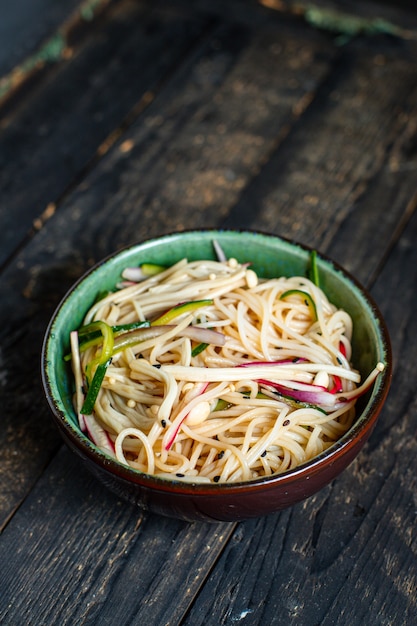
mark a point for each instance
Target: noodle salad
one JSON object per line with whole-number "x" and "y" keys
{"x": 205, "y": 372}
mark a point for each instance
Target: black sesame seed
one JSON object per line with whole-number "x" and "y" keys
{"x": 221, "y": 454}
{"x": 163, "y": 423}
{"x": 157, "y": 365}
{"x": 286, "y": 423}
{"x": 339, "y": 360}
{"x": 216, "y": 479}
{"x": 180, "y": 475}
{"x": 263, "y": 453}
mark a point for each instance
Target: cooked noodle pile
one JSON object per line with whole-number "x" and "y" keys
{"x": 244, "y": 378}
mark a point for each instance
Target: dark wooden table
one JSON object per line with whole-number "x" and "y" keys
{"x": 122, "y": 120}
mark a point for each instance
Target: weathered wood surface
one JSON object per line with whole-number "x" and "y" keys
{"x": 25, "y": 26}
{"x": 109, "y": 73}
{"x": 174, "y": 115}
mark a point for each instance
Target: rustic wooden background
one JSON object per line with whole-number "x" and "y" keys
{"x": 125, "y": 119}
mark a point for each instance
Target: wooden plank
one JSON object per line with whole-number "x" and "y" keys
{"x": 91, "y": 554}
{"x": 305, "y": 567}
{"x": 59, "y": 130}
{"x": 351, "y": 18}
{"x": 351, "y": 142}
{"x": 200, "y": 144}
{"x": 59, "y": 271}
{"x": 150, "y": 182}
{"x": 389, "y": 469}
{"x": 296, "y": 557}
{"x": 25, "y": 25}
{"x": 33, "y": 173}
{"x": 347, "y": 555}
{"x": 44, "y": 153}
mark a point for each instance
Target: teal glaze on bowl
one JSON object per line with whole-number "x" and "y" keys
{"x": 269, "y": 256}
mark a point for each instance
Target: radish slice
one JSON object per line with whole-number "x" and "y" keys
{"x": 98, "y": 435}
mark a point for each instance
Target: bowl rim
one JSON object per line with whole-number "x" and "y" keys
{"x": 360, "y": 430}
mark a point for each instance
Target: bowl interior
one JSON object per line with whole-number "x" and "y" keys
{"x": 269, "y": 256}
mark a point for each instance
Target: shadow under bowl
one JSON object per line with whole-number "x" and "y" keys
{"x": 270, "y": 256}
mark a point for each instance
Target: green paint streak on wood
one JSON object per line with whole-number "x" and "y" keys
{"x": 88, "y": 9}
{"x": 347, "y": 25}
{"x": 52, "y": 51}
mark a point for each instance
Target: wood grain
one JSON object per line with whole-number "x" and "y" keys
{"x": 55, "y": 133}
{"x": 158, "y": 563}
{"x": 254, "y": 119}
{"x": 110, "y": 208}
{"x": 26, "y": 25}
{"x": 339, "y": 153}
{"x": 348, "y": 554}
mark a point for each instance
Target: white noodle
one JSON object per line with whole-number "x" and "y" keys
{"x": 200, "y": 417}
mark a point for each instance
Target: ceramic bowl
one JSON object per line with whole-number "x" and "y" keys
{"x": 270, "y": 256}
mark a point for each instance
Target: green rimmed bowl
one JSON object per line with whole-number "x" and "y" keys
{"x": 270, "y": 256}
